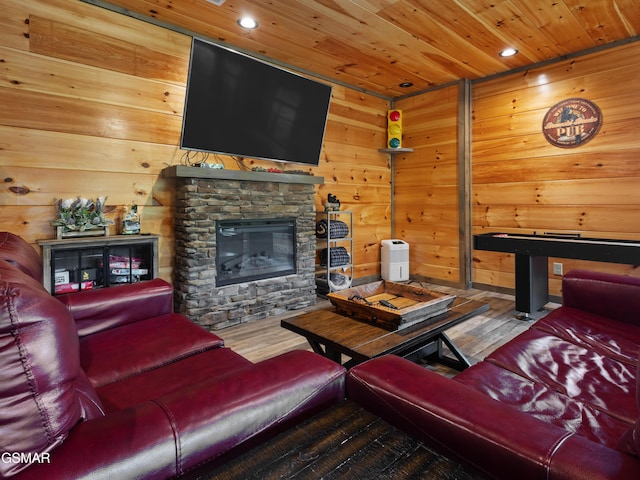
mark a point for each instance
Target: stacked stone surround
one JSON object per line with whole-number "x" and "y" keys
{"x": 199, "y": 203}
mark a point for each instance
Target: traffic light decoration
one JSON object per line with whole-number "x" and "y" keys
{"x": 394, "y": 129}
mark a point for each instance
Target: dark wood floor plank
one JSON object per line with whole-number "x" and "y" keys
{"x": 366, "y": 461}
{"x": 314, "y": 439}
{"x": 359, "y": 446}
{"x": 413, "y": 466}
{"x": 333, "y": 461}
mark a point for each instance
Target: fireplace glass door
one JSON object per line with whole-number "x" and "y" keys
{"x": 248, "y": 250}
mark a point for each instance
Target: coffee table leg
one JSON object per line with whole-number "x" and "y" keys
{"x": 326, "y": 351}
{"x": 434, "y": 351}
{"x": 460, "y": 362}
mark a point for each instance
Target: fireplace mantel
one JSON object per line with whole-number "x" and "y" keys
{"x": 181, "y": 171}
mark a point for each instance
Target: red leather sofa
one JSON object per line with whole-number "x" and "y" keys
{"x": 112, "y": 384}
{"x": 560, "y": 401}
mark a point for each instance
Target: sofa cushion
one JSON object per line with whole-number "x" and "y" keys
{"x": 543, "y": 403}
{"x": 636, "y": 430}
{"x": 630, "y": 441}
{"x": 611, "y": 338}
{"x": 575, "y": 371}
{"x": 39, "y": 402}
{"x": 174, "y": 377}
{"x": 15, "y": 250}
{"x": 134, "y": 348}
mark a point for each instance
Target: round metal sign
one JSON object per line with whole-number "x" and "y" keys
{"x": 571, "y": 122}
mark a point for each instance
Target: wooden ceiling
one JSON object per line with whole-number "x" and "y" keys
{"x": 375, "y": 45}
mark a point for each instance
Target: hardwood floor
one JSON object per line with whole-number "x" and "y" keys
{"x": 476, "y": 337}
{"x": 344, "y": 441}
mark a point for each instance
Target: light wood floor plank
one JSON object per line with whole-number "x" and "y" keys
{"x": 476, "y": 337}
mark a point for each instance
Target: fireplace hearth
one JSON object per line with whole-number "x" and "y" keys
{"x": 228, "y": 270}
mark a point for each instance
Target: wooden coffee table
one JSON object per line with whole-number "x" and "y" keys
{"x": 333, "y": 335}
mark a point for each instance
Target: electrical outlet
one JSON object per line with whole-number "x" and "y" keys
{"x": 557, "y": 269}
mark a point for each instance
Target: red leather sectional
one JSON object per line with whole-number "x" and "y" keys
{"x": 560, "y": 401}
{"x": 112, "y": 384}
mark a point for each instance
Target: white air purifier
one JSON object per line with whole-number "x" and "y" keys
{"x": 394, "y": 260}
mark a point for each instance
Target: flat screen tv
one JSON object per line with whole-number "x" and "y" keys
{"x": 241, "y": 106}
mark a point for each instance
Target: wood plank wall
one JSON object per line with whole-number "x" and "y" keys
{"x": 426, "y": 185}
{"x": 357, "y": 173}
{"x": 92, "y": 105}
{"x": 521, "y": 183}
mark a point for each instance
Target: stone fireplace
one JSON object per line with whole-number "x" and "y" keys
{"x": 234, "y": 206}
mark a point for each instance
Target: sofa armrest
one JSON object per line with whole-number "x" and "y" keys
{"x": 136, "y": 443}
{"x": 105, "y": 308}
{"x": 459, "y": 421}
{"x": 609, "y": 295}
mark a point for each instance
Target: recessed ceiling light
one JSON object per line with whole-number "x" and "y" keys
{"x": 508, "y": 52}
{"x": 248, "y": 23}
{"x": 405, "y": 85}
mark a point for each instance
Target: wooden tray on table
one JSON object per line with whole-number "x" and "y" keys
{"x": 391, "y": 305}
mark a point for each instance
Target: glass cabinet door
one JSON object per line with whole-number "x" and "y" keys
{"x": 129, "y": 264}
{"x": 77, "y": 270}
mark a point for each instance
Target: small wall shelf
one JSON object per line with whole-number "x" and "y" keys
{"x": 395, "y": 150}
